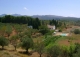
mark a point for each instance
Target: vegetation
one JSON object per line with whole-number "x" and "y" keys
{"x": 26, "y": 43}
{"x": 53, "y": 51}
{"x": 43, "y": 29}
{"x": 3, "y": 41}
{"x": 39, "y": 47}
{"x": 15, "y": 31}
{"x": 35, "y": 22}
{"x": 14, "y": 41}
{"x": 77, "y": 31}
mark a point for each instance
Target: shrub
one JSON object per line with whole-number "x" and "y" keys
{"x": 77, "y": 31}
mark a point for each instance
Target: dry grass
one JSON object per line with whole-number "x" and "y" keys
{"x": 9, "y": 52}
{"x": 22, "y": 55}
{"x": 69, "y": 40}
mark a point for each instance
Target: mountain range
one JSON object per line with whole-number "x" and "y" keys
{"x": 47, "y": 17}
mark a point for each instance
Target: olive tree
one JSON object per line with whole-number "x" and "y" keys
{"x": 14, "y": 41}
{"x": 44, "y": 29}
{"x": 3, "y": 42}
{"x": 26, "y": 43}
{"x": 39, "y": 47}
{"x": 53, "y": 51}
{"x": 8, "y": 30}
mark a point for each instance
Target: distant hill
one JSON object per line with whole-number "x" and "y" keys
{"x": 2, "y": 15}
{"x": 16, "y": 15}
{"x": 12, "y": 15}
{"x": 47, "y": 17}
{"x": 50, "y": 17}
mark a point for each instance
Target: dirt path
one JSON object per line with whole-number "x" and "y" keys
{"x": 35, "y": 54}
{"x": 13, "y": 33}
{"x": 6, "y": 53}
{"x": 64, "y": 42}
{"x": 14, "y": 54}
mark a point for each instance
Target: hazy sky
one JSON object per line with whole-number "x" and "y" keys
{"x": 41, "y": 7}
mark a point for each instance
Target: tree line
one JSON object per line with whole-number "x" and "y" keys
{"x": 35, "y": 22}
{"x": 57, "y": 23}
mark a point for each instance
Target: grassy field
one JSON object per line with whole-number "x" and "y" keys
{"x": 68, "y": 40}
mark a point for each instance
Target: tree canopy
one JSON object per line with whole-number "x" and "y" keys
{"x": 35, "y": 22}
{"x": 26, "y": 43}
{"x": 3, "y": 41}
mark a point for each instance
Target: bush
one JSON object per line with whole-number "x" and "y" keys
{"x": 77, "y": 31}
{"x": 60, "y": 30}
{"x": 68, "y": 51}
{"x": 77, "y": 50}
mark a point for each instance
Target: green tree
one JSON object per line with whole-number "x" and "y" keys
{"x": 77, "y": 31}
{"x": 8, "y": 30}
{"x": 2, "y": 30}
{"x": 53, "y": 51}
{"x": 77, "y": 54}
{"x": 18, "y": 28}
{"x": 26, "y": 43}
{"x": 77, "y": 50}
{"x": 28, "y": 32}
{"x": 21, "y": 35}
{"x": 3, "y": 41}
{"x": 43, "y": 29}
{"x": 14, "y": 41}
{"x": 38, "y": 23}
{"x": 40, "y": 48}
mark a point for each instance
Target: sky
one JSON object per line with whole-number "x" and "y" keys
{"x": 67, "y": 8}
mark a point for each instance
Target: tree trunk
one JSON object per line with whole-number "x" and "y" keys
{"x": 15, "y": 48}
{"x": 2, "y": 47}
{"x": 27, "y": 50}
{"x": 40, "y": 55}
{"x": 8, "y": 36}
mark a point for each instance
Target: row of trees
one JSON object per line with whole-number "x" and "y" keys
{"x": 6, "y": 29}
{"x": 47, "y": 46}
{"x": 57, "y": 23}
{"x": 26, "y": 42}
{"x": 35, "y": 22}
{"x": 21, "y": 34}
